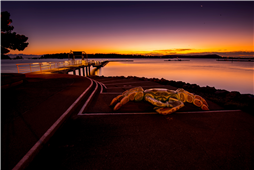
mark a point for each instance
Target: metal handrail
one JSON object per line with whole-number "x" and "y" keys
{"x": 34, "y": 67}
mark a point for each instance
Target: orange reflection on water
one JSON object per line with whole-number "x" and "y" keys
{"x": 221, "y": 75}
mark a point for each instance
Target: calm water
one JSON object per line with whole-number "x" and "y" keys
{"x": 231, "y": 76}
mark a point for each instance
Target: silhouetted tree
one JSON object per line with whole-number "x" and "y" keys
{"x": 9, "y": 39}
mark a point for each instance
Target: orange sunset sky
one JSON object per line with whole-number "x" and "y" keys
{"x": 148, "y": 28}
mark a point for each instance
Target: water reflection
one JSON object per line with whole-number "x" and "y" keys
{"x": 232, "y": 76}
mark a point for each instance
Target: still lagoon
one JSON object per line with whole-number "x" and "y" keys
{"x": 228, "y": 75}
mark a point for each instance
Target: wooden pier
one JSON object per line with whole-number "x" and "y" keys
{"x": 66, "y": 67}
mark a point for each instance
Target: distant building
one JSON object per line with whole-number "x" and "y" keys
{"x": 76, "y": 54}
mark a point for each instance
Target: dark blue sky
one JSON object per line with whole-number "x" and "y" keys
{"x": 133, "y": 27}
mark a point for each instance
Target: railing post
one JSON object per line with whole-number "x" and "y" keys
{"x": 83, "y": 69}
{"x": 79, "y": 71}
{"x": 17, "y": 67}
{"x": 40, "y": 67}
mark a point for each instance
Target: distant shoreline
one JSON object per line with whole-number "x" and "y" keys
{"x": 112, "y": 56}
{"x": 132, "y": 56}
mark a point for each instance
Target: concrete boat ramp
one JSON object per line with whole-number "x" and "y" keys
{"x": 74, "y": 128}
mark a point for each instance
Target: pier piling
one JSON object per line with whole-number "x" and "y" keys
{"x": 79, "y": 71}
{"x": 83, "y": 70}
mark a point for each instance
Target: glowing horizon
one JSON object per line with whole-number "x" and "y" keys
{"x": 131, "y": 28}
{"x": 147, "y": 53}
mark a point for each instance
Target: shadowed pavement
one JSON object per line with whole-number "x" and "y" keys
{"x": 134, "y": 137}
{"x": 188, "y": 139}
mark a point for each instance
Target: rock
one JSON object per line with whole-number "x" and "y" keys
{"x": 246, "y": 98}
{"x": 221, "y": 92}
{"x": 187, "y": 86}
{"x": 195, "y": 87}
{"x": 210, "y": 89}
{"x": 233, "y": 95}
{"x": 180, "y": 84}
{"x": 164, "y": 81}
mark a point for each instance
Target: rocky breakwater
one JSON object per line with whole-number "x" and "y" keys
{"x": 226, "y": 99}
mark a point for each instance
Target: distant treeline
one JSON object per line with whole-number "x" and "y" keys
{"x": 4, "y": 57}
{"x": 58, "y": 55}
{"x": 98, "y": 55}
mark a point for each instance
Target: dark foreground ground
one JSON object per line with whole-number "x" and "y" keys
{"x": 132, "y": 138}
{"x": 179, "y": 141}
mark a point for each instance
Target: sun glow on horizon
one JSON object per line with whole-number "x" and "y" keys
{"x": 146, "y": 28}
{"x": 138, "y": 45}
{"x": 223, "y": 53}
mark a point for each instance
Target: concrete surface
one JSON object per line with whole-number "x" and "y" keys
{"x": 188, "y": 139}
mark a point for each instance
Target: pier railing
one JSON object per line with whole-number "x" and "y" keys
{"x": 43, "y": 66}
